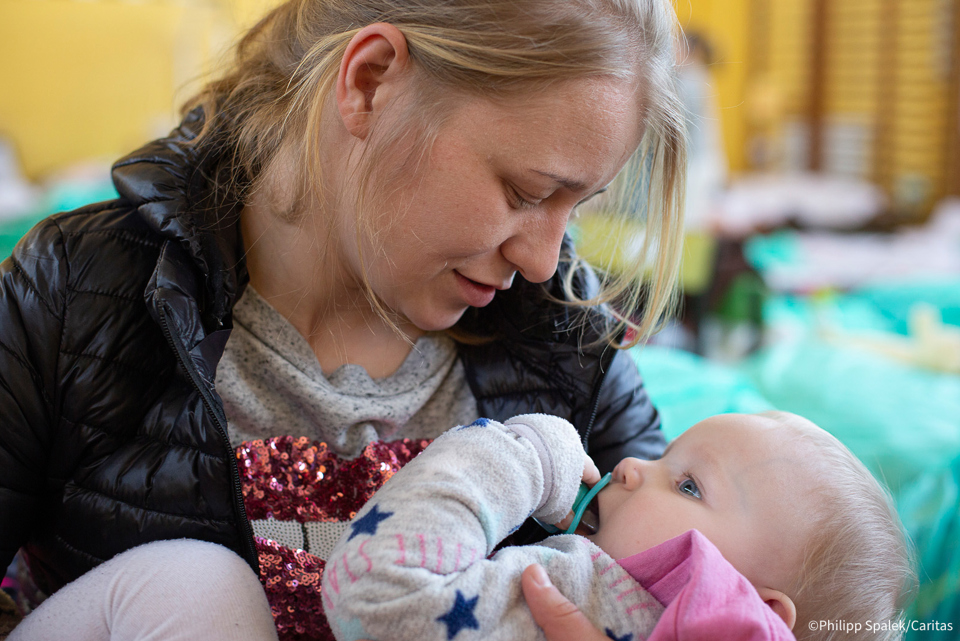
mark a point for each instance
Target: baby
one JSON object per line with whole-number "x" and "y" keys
{"x": 747, "y": 527}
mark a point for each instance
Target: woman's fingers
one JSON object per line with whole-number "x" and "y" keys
{"x": 554, "y": 613}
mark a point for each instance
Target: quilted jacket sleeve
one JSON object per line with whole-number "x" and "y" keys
{"x": 32, "y": 286}
{"x": 627, "y": 423}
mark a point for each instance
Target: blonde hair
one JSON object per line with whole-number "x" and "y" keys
{"x": 278, "y": 89}
{"x": 858, "y": 565}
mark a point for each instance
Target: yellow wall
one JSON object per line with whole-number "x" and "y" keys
{"x": 97, "y": 78}
{"x": 918, "y": 146}
{"x": 885, "y": 90}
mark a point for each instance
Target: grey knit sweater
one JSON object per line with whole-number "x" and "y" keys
{"x": 272, "y": 385}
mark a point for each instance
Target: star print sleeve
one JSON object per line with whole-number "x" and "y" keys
{"x": 413, "y": 564}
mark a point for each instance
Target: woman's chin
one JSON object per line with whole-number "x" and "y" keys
{"x": 437, "y": 321}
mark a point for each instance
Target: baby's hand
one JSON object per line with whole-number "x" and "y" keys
{"x": 591, "y": 476}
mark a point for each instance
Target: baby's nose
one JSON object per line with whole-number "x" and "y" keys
{"x": 630, "y": 472}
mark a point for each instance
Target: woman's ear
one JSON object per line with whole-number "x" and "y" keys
{"x": 372, "y": 67}
{"x": 781, "y": 604}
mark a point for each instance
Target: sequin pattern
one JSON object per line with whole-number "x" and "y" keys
{"x": 296, "y": 479}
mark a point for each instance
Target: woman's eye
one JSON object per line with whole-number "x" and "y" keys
{"x": 521, "y": 202}
{"x": 689, "y": 486}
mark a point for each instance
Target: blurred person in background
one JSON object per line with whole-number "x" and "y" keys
{"x": 706, "y": 161}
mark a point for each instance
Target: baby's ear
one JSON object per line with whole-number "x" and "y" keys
{"x": 781, "y": 604}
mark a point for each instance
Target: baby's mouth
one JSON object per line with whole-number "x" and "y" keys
{"x": 590, "y": 522}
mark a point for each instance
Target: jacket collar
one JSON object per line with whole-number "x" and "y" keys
{"x": 169, "y": 182}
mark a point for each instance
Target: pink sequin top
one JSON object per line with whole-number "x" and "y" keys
{"x": 294, "y": 479}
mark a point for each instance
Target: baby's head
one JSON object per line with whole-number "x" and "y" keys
{"x": 784, "y": 501}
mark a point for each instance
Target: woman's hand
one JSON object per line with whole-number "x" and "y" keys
{"x": 558, "y": 617}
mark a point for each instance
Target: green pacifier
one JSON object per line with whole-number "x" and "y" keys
{"x": 584, "y": 496}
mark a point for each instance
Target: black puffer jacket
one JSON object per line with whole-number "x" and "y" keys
{"x": 112, "y": 321}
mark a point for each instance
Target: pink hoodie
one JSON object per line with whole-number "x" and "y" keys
{"x": 705, "y": 597}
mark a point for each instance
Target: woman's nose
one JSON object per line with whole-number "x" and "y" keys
{"x": 535, "y": 249}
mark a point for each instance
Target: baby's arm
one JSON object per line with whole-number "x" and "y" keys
{"x": 413, "y": 564}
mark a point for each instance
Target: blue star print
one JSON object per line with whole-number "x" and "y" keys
{"x": 460, "y": 615}
{"x": 368, "y": 524}
{"x": 480, "y": 422}
{"x": 626, "y": 637}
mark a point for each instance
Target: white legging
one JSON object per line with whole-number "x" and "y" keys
{"x": 169, "y": 590}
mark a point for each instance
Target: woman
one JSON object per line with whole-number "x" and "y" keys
{"x": 391, "y": 182}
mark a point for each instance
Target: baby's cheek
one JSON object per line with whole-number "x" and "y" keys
{"x": 661, "y": 525}
{"x": 621, "y": 540}
{"x": 746, "y": 550}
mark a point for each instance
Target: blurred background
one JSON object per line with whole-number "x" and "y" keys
{"x": 822, "y": 255}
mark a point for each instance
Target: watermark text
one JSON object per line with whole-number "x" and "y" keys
{"x": 903, "y": 625}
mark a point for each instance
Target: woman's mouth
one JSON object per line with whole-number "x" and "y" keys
{"x": 473, "y": 293}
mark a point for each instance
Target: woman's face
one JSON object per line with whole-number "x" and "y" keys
{"x": 493, "y": 197}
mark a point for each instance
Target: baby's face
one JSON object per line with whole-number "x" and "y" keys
{"x": 738, "y": 479}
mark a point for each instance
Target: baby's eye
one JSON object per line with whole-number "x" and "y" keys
{"x": 689, "y": 486}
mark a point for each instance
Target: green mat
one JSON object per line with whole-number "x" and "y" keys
{"x": 687, "y": 388}
{"x": 11, "y": 231}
